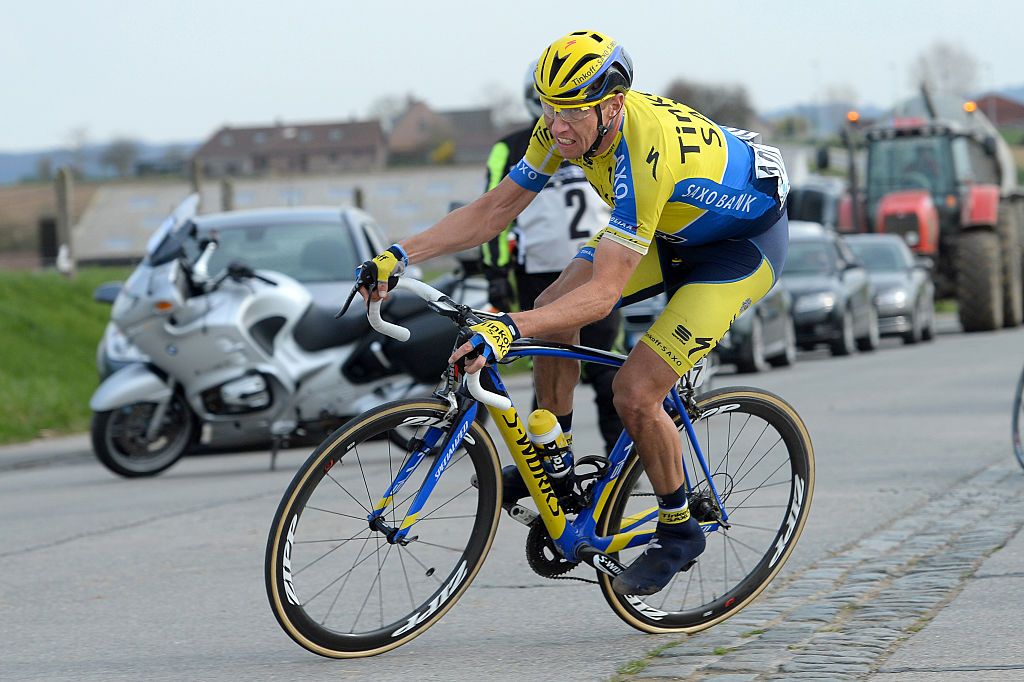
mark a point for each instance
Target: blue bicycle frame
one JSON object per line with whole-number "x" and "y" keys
{"x": 571, "y": 537}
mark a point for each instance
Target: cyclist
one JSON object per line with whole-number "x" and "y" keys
{"x": 698, "y": 211}
{"x": 545, "y": 237}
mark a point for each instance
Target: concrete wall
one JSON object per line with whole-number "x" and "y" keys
{"x": 120, "y": 218}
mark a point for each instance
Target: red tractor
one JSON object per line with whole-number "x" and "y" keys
{"x": 940, "y": 175}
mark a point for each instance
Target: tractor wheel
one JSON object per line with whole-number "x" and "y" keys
{"x": 1009, "y": 242}
{"x": 979, "y": 285}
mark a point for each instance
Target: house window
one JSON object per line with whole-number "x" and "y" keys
{"x": 227, "y": 139}
{"x": 335, "y": 135}
{"x": 259, "y": 138}
{"x": 305, "y": 136}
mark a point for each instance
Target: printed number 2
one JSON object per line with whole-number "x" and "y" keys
{"x": 570, "y": 198}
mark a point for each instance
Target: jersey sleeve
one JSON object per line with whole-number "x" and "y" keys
{"x": 639, "y": 194}
{"x": 540, "y": 162}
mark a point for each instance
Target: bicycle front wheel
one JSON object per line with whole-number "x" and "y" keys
{"x": 762, "y": 464}
{"x": 338, "y": 587}
{"x": 1018, "y": 407}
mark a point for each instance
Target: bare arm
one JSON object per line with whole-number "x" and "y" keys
{"x": 470, "y": 225}
{"x": 593, "y": 300}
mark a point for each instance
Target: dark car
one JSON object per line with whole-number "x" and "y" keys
{"x": 904, "y": 292}
{"x": 833, "y": 298}
{"x": 763, "y": 336}
{"x": 817, "y": 200}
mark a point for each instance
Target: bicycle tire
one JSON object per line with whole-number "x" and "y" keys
{"x": 315, "y": 534}
{"x": 1018, "y": 405}
{"x": 737, "y": 409}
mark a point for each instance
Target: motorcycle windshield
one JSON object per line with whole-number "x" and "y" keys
{"x": 168, "y": 241}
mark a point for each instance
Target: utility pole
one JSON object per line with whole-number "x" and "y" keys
{"x": 227, "y": 194}
{"x": 64, "y": 185}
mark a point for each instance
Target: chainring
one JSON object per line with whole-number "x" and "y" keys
{"x": 542, "y": 555}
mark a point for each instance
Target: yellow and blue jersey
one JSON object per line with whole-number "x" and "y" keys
{"x": 670, "y": 170}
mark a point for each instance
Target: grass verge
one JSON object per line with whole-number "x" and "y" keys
{"x": 49, "y": 328}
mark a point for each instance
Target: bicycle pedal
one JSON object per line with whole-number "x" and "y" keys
{"x": 521, "y": 514}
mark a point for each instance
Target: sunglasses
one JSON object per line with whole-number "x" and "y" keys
{"x": 573, "y": 115}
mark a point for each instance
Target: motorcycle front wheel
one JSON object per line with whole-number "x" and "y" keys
{"x": 120, "y": 443}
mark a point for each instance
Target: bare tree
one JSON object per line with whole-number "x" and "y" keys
{"x": 121, "y": 155}
{"x": 387, "y": 109}
{"x": 44, "y": 168}
{"x": 505, "y": 106}
{"x": 726, "y": 105}
{"x": 945, "y": 67}
{"x": 78, "y": 140}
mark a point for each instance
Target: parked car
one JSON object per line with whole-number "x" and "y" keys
{"x": 904, "y": 291}
{"x": 833, "y": 298}
{"x": 763, "y": 336}
{"x": 816, "y": 200}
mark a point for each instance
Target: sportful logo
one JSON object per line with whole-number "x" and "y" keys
{"x": 791, "y": 521}
{"x": 286, "y": 563}
{"x": 439, "y": 599}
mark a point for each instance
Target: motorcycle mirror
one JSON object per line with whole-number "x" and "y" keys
{"x": 107, "y": 292}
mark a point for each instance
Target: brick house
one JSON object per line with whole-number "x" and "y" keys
{"x": 1002, "y": 111}
{"x": 422, "y": 135}
{"x": 287, "y": 149}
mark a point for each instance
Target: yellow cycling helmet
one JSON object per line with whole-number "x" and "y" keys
{"x": 581, "y": 69}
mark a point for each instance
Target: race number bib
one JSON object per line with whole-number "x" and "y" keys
{"x": 768, "y": 164}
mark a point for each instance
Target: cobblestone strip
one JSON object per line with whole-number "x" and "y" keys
{"x": 844, "y": 615}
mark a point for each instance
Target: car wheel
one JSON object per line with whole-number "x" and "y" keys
{"x": 751, "y": 356}
{"x": 870, "y": 340}
{"x": 788, "y": 356}
{"x": 846, "y": 343}
{"x": 916, "y": 331}
{"x": 928, "y": 328}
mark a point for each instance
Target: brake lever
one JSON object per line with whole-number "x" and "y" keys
{"x": 348, "y": 301}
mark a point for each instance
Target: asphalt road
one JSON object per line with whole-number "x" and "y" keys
{"x": 106, "y": 579}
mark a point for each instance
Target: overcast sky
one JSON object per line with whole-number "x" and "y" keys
{"x": 176, "y": 71}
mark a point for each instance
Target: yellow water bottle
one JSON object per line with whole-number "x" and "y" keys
{"x": 551, "y": 444}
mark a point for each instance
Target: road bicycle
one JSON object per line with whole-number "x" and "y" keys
{"x": 372, "y": 544}
{"x": 1018, "y": 406}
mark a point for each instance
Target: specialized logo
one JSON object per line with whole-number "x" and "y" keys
{"x": 703, "y": 343}
{"x": 791, "y": 521}
{"x": 682, "y": 333}
{"x": 439, "y": 599}
{"x": 447, "y": 456}
{"x": 286, "y": 563}
{"x": 606, "y": 565}
{"x": 534, "y": 464}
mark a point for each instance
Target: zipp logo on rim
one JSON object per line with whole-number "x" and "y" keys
{"x": 439, "y": 599}
{"x": 716, "y": 410}
{"x": 644, "y": 608}
{"x": 286, "y": 563}
{"x": 791, "y": 520}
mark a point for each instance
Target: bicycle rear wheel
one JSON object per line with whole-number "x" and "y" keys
{"x": 338, "y": 587}
{"x": 762, "y": 464}
{"x": 1018, "y": 407}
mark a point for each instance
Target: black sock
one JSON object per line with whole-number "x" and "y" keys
{"x": 674, "y": 515}
{"x": 565, "y": 421}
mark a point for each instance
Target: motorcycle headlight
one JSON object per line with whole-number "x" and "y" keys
{"x": 823, "y": 300}
{"x": 894, "y": 298}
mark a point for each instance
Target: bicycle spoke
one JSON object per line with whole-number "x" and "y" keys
{"x": 354, "y": 499}
{"x": 431, "y": 544}
{"x": 328, "y": 511}
{"x": 295, "y": 573}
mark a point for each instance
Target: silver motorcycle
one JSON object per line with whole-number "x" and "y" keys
{"x": 245, "y": 356}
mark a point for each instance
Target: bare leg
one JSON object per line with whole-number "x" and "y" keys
{"x": 556, "y": 379}
{"x": 639, "y": 388}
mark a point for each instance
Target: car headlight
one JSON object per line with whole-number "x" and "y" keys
{"x": 894, "y": 298}
{"x": 823, "y": 300}
{"x": 119, "y": 348}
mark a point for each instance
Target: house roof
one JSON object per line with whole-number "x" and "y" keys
{"x": 231, "y": 142}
